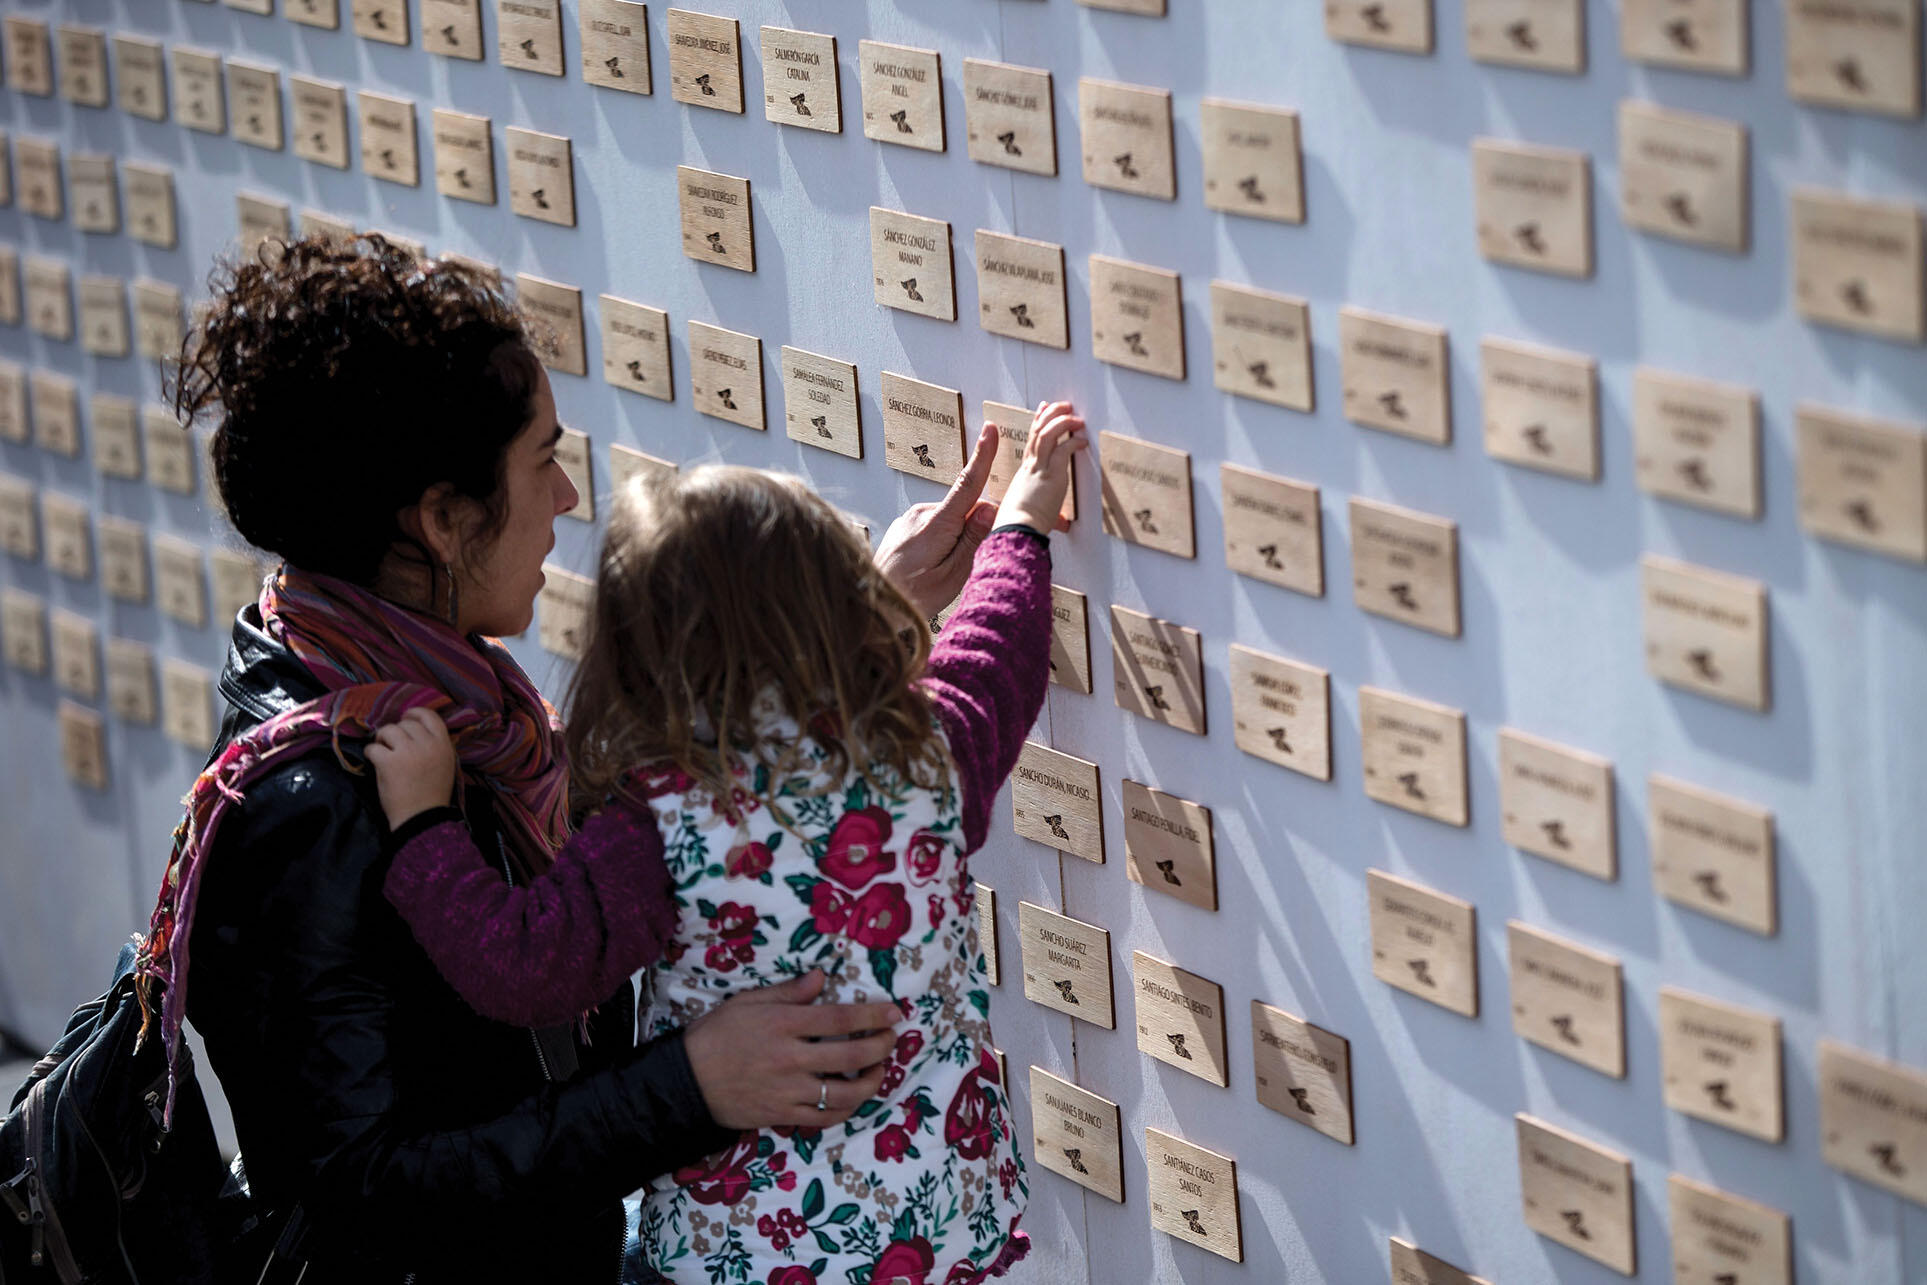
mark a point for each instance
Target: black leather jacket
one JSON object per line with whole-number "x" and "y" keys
{"x": 422, "y": 1141}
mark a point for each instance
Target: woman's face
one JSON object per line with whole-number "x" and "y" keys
{"x": 499, "y": 587}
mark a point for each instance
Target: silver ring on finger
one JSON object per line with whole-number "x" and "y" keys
{"x": 823, "y": 1095}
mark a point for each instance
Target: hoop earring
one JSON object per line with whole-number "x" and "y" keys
{"x": 454, "y": 595}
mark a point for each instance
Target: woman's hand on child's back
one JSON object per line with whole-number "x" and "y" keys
{"x": 1036, "y": 493}
{"x": 414, "y": 762}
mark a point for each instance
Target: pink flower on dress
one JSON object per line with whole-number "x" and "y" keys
{"x": 893, "y": 1142}
{"x": 904, "y": 1262}
{"x": 734, "y": 921}
{"x": 721, "y": 1179}
{"x": 936, "y": 911}
{"x": 830, "y": 906}
{"x": 967, "y": 1125}
{"x": 747, "y": 861}
{"x": 880, "y": 917}
{"x": 909, "y": 1044}
{"x": 660, "y": 779}
{"x": 923, "y": 858}
{"x": 855, "y": 854}
{"x": 791, "y": 1275}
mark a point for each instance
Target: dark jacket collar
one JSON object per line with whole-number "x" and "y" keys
{"x": 262, "y": 678}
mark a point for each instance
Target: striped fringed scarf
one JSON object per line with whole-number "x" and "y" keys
{"x": 378, "y": 660}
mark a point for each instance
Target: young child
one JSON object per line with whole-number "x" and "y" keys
{"x": 819, "y": 772}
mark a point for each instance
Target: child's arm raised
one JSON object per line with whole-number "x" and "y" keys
{"x": 535, "y": 956}
{"x": 989, "y": 667}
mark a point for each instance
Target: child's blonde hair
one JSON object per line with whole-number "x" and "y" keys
{"x": 724, "y": 583}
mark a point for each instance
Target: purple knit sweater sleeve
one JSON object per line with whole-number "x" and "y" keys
{"x": 989, "y": 667}
{"x": 544, "y": 954}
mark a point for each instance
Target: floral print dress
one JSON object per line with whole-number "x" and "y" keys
{"x": 867, "y": 882}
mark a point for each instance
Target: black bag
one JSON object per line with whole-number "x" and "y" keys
{"x": 93, "y": 1189}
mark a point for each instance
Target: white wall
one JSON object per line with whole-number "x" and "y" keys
{"x": 1549, "y": 571}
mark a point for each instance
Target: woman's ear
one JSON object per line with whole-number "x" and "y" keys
{"x": 435, "y": 522}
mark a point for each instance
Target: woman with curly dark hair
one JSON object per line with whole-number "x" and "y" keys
{"x": 383, "y": 426}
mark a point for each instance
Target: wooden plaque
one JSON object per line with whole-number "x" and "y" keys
{"x": 383, "y": 21}
{"x": 150, "y": 204}
{"x": 1067, "y": 964}
{"x": 1722, "y": 1063}
{"x": 1070, "y": 639}
{"x": 902, "y": 95}
{"x": 1873, "y": 1120}
{"x": 1168, "y": 845}
{"x": 1137, "y": 317}
{"x": 1424, "y": 942}
{"x": 198, "y": 103}
{"x": 556, "y": 313}
{"x": 1180, "y": 1018}
{"x": 716, "y": 226}
{"x": 94, "y": 193}
{"x": 29, "y": 56}
{"x": 75, "y": 654}
{"x": 573, "y": 453}
{"x": 910, "y": 264}
{"x": 528, "y": 36}
{"x": 1706, "y": 631}
{"x": 1402, "y": 25}
{"x": 1143, "y": 8}
{"x": 1261, "y": 345}
{"x": 465, "y": 158}
{"x": 37, "y": 172}
{"x": 541, "y": 176}
{"x": 169, "y": 449}
{"x": 140, "y": 77}
{"x": 1534, "y": 206}
{"x": 726, "y": 374}
{"x": 1055, "y": 800}
{"x": 1721, "y": 1239}
{"x": 1683, "y": 175}
{"x": 388, "y": 138}
{"x": 56, "y": 413}
{"x": 1545, "y": 35}
{"x": 1405, "y": 566}
{"x": 1394, "y": 375}
{"x": 1020, "y": 289}
{"x": 1557, "y": 803}
{"x": 320, "y": 121}
{"x": 452, "y": 28}
{"x": 187, "y": 704}
{"x": 615, "y": 44}
{"x": 1541, "y": 408}
{"x": 1146, "y": 494}
{"x": 1414, "y": 754}
{"x": 1009, "y": 118}
{"x": 254, "y": 96}
{"x": 922, "y": 428}
{"x": 1857, "y": 264}
{"x": 70, "y": 549}
{"x": 1273, "y": 529}
{"x": 262, "y": 7}
{"x": 635, "y": 347}
{"x": 1863, "y": 55}
{"x": 325, "y": 14}
{"x": 1158, "y": 670}
{"x": 820, "y": 405}
{"x": 1713, "y": 854}
{"x": 123, "y": 560}
{"x": 1863, "y": 481}
{"x": 1707, "y": 35}
{"x": 15, "y": 423}
{"x": 117, "y": 436}
{"x": 565, "y": 609}
{"x": 83, "y": 745}
{"x": 23, "y": 630}
{"x": 1281, "y": 711}
{"x": 236, "y": 578}
{"x": 19, "y": 519}
{"x": 1076, "y": 1135}
{"x": 1577, "y": 1193}
{"x": 103, "y": 316}
{"x": 10, "y": 305}
{"x": 705, "y": 60}
{"x": 986, "y": 899}
{"x": 179, "y": 585}
{"x": 1567, "y": 998}
{"x": 131, "y": 693}
{"x": 259, "y": 220}
{"x": 800, "y": 81}
{"x": 1125, "y": 133}
{"x": 1252, "y": 161}
{"x": 625, "y": 462}
{"x": 1013, "y": 435}
{"x": 328, "y": 227}
{"x": 1194, "y": 1194}
{"x": 1697, "y": 442}
{"x": 1413, "y": 1266}
{"x": 1302, "y": 1072}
